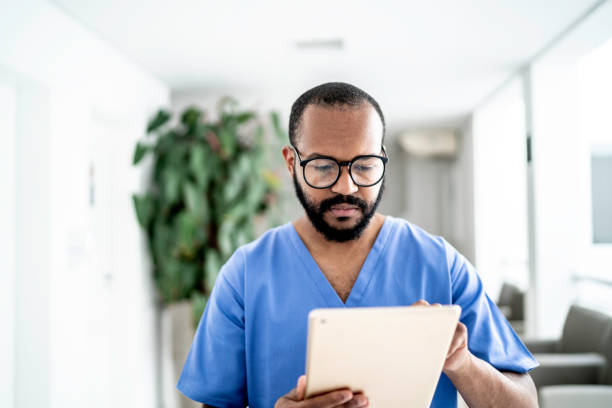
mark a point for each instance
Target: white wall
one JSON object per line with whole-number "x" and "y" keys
{"x": 84, "y": 311}
{"x": 569, "y": 114}
{"x": 8, "y": 138}
{"x": 426, "y": 190}
{"x": 595, "y": 96}
{"x": 561, "y": 168}
{"x": 437, "y": 193}
{"x": 463, "y": 180}
{"x": 500, "y": 189}
{"x": 25, "y": 235}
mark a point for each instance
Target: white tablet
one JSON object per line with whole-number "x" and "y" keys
{"x": 394, "y": 355}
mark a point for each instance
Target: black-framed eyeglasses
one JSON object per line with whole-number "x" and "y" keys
{"x": 324, "y": 171}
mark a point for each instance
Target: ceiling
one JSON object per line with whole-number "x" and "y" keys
{"x": 424, "y": 61}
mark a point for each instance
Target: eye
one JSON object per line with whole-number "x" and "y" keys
{"x": 366, "y": 165}
{"x": 362, "y": 168}
{"x": 323, "y": 168}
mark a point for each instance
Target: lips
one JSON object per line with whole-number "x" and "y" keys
{"x": 343, "y": 207}
{"x": 343, "y": 210}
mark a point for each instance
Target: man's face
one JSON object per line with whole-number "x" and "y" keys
{"x": 342, "y": 211}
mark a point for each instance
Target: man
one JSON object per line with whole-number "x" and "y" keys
{"x": 250, "y": 345}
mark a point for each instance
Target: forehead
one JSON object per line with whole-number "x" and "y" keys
{"x": 342, "y": 132}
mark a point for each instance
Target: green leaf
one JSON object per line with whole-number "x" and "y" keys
{"x": 169, "y": 280}
{"x": 276, "y": 124}
{"x": 198, "y": 304}
{"x": 162, "y": 242}
{"x": 271, "y": 179}
{"x": 194, "y": 200}
{"x": 243, "y": 236}
{"x": 177, "y": 154}
{"x": 177, "y": 280}
{"x": 186, "y": 229}
{"x": 144, "y": 206}
{"x": 228, "y": 140}
{"x": 140, "y": 152}
{"x": 256, "y": 193}
{"x": 191, "y": 117}
{"x": 226, "y": 105}
{"x": 239, "y": 210}
{"x": 166, "y": 142}
{"x": 244, "y": 117}
{"x": 240, "y": 175}
{"x": 171, "y": 185}
{"x": 259, "y": 135}
{"x": 158, "y": 120}
{"x": 200, "y": 131}
{"x": 224, "y": 238}
{"x": 188, "y": 275}
{"x": 198, "y": 165}
{"x": 212, "y": 266}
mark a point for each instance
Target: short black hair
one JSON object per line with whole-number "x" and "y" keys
{"x": 332, "y": 94}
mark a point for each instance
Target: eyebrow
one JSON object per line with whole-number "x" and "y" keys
{"x": 315, "y": 154}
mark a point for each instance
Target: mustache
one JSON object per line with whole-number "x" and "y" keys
{"x": 342, "y": 199}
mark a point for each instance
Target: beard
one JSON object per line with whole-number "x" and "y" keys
{"x": 316, "y": 213}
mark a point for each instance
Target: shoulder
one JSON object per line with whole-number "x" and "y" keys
{"x": 267, "y": 247}
{"x": 409, "y": 236}
{"x": 411, "y": 242}
{"x": 270, "y": 242}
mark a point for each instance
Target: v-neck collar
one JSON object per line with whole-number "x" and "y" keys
{"x": 326, "y": 290}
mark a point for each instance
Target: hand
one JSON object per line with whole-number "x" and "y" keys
{"x": 339, "y": 398}
{"x": 458, "y": 356}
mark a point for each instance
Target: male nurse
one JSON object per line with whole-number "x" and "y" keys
{"x": 250, "y": 345}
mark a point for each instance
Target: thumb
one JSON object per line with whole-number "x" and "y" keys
{"x": 301, "y": 388}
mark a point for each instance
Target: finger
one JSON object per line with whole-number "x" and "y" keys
{"x": 459, "y": 339}
{"x": 455, "y": 345}
{"x": 436, "y": 304}
{"x": 291, "y": 395}
{"x": 329, "y": 400}
{"x": 420, "y": 302}
{"x": 358, "y": 401}
{"x": 301, "y": 388}
{"x": 462, "y": 332}
{"x": 458, "y": 336}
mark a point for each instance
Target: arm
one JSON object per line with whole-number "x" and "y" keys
{"x": 482, "y": 385}
{"x": 215, "y": 369}
{"x": 479, "y": 383}
{"x": 492, "y": 343}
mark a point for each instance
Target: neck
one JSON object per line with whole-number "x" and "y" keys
{"x": 314, "y": 240}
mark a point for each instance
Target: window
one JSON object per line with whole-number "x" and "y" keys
{"x": 601, "y": 193}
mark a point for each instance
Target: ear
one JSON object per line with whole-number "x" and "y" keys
{"x": 289, "y": 157}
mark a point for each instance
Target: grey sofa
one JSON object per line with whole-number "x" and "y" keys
{"x": 572, "y": 396}
{"x": 583, "y": 354}
{"x": 511, "y": 302}
{"x": 576, "y": 370}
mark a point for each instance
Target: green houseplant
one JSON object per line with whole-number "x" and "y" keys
{"x": 208, "y": 182}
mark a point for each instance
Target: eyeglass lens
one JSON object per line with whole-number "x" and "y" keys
{"x": 365, "y": 171}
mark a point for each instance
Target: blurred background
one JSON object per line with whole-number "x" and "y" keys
{"x": 499, "y": 118}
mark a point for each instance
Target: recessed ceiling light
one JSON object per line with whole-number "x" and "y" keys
{"x": 335, "y": 44}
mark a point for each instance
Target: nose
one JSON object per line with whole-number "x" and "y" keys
{"x": 345, "y": 185}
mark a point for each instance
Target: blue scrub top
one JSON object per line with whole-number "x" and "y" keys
{"x": 250, "y": 345}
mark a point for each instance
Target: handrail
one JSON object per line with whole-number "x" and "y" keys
{"x": 602, "y": 281}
